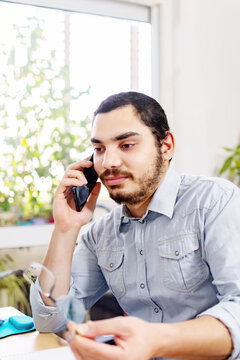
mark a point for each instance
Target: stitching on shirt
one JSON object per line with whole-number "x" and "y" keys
{"x": 190, "y": 211}
{"x": 214, "y": 182}
{"x": 167, "y": 259}
{"x": 174, "y": 237}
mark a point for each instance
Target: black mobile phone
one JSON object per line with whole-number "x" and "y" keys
{"x": 81, "y": 193}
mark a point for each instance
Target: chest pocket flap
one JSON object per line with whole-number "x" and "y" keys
{"x": 178, "y": 248}
{"x": 110, "y": 259}
{"x": 111, "y": 263}
{"x": 181, "y": 264}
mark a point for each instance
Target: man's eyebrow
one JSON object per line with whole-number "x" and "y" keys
{"x": 126, "y": 135}
{"x": 118, "y": 137}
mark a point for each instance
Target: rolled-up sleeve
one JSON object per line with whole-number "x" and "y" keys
{"x": 46, "y": 318}
{"x": 222, "y": 247}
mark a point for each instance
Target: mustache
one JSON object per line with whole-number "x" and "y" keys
{"x": 115, "y": 173}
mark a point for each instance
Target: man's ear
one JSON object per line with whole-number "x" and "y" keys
{"x": 168, "y": 146}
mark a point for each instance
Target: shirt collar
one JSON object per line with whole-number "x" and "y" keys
{"x": 163, "y": 200}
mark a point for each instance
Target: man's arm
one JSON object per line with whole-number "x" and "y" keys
{"x": 136, "y": 339}
{"x": 68, "y": 223}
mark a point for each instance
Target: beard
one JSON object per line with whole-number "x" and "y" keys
{"x": 146, "y": 184}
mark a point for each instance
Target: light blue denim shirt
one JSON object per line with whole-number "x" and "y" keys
{"x": 179, "y": 261}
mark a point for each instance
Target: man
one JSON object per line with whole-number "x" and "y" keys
{"x": 169, "y": 253}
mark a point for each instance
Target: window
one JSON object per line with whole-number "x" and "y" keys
{"x": 55, "y": 68}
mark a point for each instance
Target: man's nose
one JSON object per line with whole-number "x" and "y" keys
{"x": 111, "y": 160}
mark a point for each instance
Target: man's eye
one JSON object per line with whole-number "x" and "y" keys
{"x": 98, "y": 149}
{"x": 127, "y": 146}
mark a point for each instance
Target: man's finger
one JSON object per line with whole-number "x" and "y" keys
{"x": 68, "y": 182}
{"x": 95, "y": 350}
{"x": 80, "y": 165}
{"x": 93, "y": 329}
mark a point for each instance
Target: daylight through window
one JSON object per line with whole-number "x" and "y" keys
{"x": 55, "y": 68}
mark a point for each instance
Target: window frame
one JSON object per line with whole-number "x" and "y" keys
{"x": 117, "y": 9}
{"x": 135, "y": 11}
{"x": 18, "y": 236}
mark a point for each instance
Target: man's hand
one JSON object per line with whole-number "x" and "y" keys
{"x": 132, "y": 338}
{"x": 64, "y": 211}
{"x": 68, "y": 223}
{"x": 199, "y": 339}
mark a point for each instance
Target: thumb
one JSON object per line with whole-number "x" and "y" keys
{"x": 93, "y": 329}
{"x": 96, "y": 190}
{"x": 91, "y": 203}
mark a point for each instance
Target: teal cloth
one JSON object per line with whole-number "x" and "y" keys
{"x": 16, "y": 324}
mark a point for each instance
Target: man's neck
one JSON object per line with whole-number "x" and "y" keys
{"x": 138, "y": 210}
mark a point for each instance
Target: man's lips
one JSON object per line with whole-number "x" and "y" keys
{"x": 115, "y": 180}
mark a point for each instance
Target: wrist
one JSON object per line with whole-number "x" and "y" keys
{"x": 160, "y": 338}
{"x": 66, "y": 232}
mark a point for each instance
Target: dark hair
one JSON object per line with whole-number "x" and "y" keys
{"x": 149, "y": 110}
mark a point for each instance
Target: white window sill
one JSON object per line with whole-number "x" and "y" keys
{"x": 27, "y": 236}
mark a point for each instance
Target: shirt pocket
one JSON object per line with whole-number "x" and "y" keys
{"x": 181, "y": 263}
{"x": 111, "y": 263}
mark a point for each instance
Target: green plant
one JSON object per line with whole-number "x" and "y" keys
{"x": 35, "y": 102}
{"x": 14, "y": 290}
{"x": 231, "y": 165}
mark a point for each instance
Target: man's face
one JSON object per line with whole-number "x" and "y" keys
{"x": 126, "y": 157}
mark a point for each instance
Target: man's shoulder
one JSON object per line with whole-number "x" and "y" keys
{"x": 206, "y": 182}
{"x": 204, "y": 192}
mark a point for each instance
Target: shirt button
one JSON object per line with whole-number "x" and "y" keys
{"x": 111, "y": 265}
{"x": 156, "y": 310}
{"x": 177, "y": 253}
{"x": 141, "y": 252}
{"x": 142, "y": 286}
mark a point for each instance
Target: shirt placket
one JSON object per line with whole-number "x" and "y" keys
{"x": 142, "y": 281}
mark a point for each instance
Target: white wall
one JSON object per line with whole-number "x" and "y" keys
{"x": 200, "y": 88}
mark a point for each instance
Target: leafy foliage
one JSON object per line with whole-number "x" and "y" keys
{"x": 35, "y": 100}
{"x": 15, "y": 288}
{"x": 231, "y": 165}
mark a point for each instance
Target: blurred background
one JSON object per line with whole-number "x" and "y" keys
{"x": 59, "y": 59}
